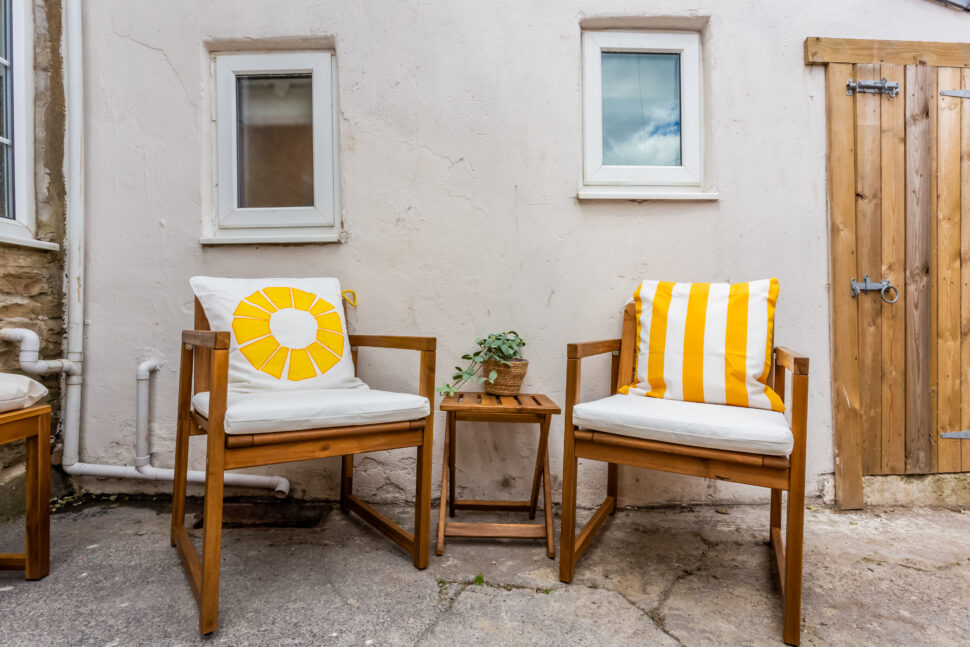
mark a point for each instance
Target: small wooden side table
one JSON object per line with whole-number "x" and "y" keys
{"x": 482, "y": 407}
{"x": 34, "y": 424}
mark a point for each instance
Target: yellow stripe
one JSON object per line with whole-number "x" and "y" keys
{"x": 693, "y": 377}
{"x": 776, "y": 403}
{"x": 658, "y": 340}
{"x": 736, "y": 346}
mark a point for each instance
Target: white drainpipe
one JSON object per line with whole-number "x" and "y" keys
{"x": 72, "y": 365}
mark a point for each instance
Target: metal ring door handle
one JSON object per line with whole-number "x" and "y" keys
{"x": 885, "y": 288}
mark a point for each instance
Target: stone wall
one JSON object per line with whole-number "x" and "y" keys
{"x": 31, "y": 280}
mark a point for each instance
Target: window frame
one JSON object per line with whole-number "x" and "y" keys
{"x": 317, "y": 223}
{"x": 21, "y": 229}
{"x": 666, "y": 182}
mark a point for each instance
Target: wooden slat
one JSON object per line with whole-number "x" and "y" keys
{"x": 305, "y": 450}
{"x": 742, "y": 458}
{"x": 279, "y": 437}
{"x": 965, "y": 271}
{"x": 949, "y": 414}
{"x": 842, "y": 238}
{"x": 507, "y": 530}
{"x": 484, "y": 504}
{"x": 190, "y": 560}
{"x": 934, "y": 291}
{"x": 902, "y": 52}
{"x": 391, "y": 530}
{"x": 13, "y": 561}
{"x": 589, "y": 531}
{"x": 691, "y": 465}
{"x": 393, "y": 341}
{"x": 468, "y": 404}
{"x": 919, "y": 431}
{"x": 590, "y": 348}
{"x": 778, "y": 548}
{"x": 893, "y": 152}
{"x": 202, "y": 364}
{"x": 794, "y": 361}
{"x": 18, "y": 430}
{"x": 868, "y": 181}
{"x": 21, "y": 414}
{"x": 206, "y": 338}
{"x": 499, "y": 417}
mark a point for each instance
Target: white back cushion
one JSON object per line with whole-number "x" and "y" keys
{"x": 19, "y": 392}
{"x": 287, "y": 334}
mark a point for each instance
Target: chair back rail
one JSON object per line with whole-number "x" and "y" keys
{"x": 202, "y": 369}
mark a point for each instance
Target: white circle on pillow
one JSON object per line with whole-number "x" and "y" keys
{"x": 293, "y": 328}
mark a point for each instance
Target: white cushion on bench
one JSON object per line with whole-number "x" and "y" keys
{"x": 269, "y": 411}
{"x": 715, "y": 426}
{"x": 19, "y": 391}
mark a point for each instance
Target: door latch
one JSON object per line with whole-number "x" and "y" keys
{"x": 955, "y": 434}
{"x": 867, "y": 285}
{"x": 882, "y": 86}
{"x": 960, "y": 94}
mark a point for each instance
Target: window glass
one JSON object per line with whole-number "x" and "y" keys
{"x": 274, "y": 140}
{"x": 641, "y": 109}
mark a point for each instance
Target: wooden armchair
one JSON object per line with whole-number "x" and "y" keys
{"x": 204, "y": 368}
{"x": 776, "y": 472}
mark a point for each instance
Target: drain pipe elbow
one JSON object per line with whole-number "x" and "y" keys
{"x": 30, "y": 360}
{"x": 143, "y": 376}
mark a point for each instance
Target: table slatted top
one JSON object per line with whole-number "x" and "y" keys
{"x": 534, "y": 403}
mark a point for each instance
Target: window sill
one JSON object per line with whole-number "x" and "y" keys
{"x": 644, "y": 193}
{"x": 22, "y": 241}
{"x": 272, "y": 237}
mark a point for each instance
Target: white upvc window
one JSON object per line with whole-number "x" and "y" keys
{"x": 642, "y": 129}
{"x": 17, "y": 219}
{"x": 276, "y": 148}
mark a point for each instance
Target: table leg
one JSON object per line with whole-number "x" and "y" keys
{"x": 452, "y": 450}
{"x": 37, "y": 557}
{"x": 543, "y": 451}
{"x": 547, "y": 487}
{"x": 445, "y": 471}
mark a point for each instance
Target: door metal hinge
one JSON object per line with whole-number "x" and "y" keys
{"x": 962, "y": 94}
{"x": 882, "y": 86}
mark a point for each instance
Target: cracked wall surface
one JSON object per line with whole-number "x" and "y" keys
{"x": 31, "y": 280}
{"x": 460, "y": 156}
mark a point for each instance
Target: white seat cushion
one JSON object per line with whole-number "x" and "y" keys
{"x": 269, "y": 411}
{"x": 716, "y": 426}
{"x": 19, "y": 391}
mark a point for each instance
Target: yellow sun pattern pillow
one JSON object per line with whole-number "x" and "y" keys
{"x": 286, "y": 333}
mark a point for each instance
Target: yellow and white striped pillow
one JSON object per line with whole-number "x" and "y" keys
{"x": 706, "y": 342}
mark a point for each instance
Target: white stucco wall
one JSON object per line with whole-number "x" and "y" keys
{"x": 460, "y": 136}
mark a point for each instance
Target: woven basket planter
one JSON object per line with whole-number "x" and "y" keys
{"x": 509, "y": 377}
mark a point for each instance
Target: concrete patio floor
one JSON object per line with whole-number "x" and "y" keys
{"x": 690, "y": 576}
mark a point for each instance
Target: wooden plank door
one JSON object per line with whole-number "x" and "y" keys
{"x": 899, "y": 209}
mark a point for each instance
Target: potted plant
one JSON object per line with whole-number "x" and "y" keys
{"x": 499, "y": 359}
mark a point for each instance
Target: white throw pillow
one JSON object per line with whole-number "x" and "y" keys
{"x": 286, "y": 334}
{"x": 19, "y": 391}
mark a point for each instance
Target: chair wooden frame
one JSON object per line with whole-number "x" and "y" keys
{"x": 34, "y": 425}
{"x": 205, "y": 367}
{"x": 775, "y": 472}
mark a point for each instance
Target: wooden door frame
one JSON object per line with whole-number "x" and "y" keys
{"x": 838, "y": 55}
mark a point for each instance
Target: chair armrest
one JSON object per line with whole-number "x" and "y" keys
{"x": 215, "y": 339}
{"x": 789, "y": 359}
{"x": 391, "y": 341}
{"x": 590, "y": 348}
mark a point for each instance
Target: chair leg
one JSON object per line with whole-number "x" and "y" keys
{"x": 180, "y": 477}
{"x": 212, "y": 534}
{"x": 346, "y": 480}
{"x": 613, "y": 483}
{"x": 422, "y": 501}
{"x": 37, "y": 556}
{"x": 775, "y": 519}
{"x": 793, "y": 563}
{"x": 567, "y": 539}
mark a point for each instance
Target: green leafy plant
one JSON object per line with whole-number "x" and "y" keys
{"x": 502, "y": 347}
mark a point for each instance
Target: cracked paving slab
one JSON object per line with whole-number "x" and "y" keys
{"x": 693, "y": 576}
